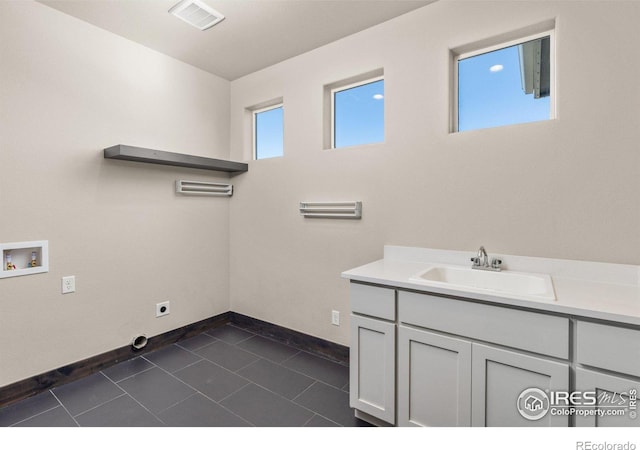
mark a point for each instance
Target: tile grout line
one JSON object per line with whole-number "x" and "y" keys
{"x": 270, "y": 391}
{"x": 249, "y": 381}
{"x": 165, "y": 371}
{"x": 310, "y": 419}
{"x": 265, "y": 357}
{"x": 129, "y": 376}
{"x": 103, "y": 403}
{"x": 181, "y": 348}
{"x": 321, "y": 415}
{"x": 290, "y": 357}
{"x": 197, "y": 348}
{"x": 145, "y": 408}
{"x": 274, "y": 393}
{"x": 64, "y": 407}
{"x": 330, "y": 420}
{"x": 154, "y": 366}
{"x": 236, "y": 391}
{"x": 202, "y": 393}
{"x": 36, "y": 415}
{"x": 179, "y": 401}
{"x": 310, "y": 376}
{"x": 210, "y": 399}
{"x": 308, "y": 387}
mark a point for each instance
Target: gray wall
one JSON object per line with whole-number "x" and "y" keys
{"x": 566, "y": 188}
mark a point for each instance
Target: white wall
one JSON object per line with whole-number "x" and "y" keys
{"x": 566, "y": 188}
{"x": 68, "y": 90}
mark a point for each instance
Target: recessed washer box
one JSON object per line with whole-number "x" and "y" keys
{"x": 24, "y": 258}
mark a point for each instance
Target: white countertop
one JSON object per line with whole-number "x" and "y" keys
{"x": 588, "y": 289}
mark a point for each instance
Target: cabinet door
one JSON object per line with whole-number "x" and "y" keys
{"x": 614, "y": 395}
{"x": 501, "y": 376}
{"x": 372, "y": 361}
{"x": 434, "y": 379}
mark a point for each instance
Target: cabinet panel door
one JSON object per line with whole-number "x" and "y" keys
{"x": 434, "y": 379}
{"x": 500, "y": 376}
{"x": 614, "y": 395}
{"x": 372, "y": 367}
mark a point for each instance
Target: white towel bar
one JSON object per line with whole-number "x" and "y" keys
{"x": 332, "y": 210}
{"x": 203, "y": 188}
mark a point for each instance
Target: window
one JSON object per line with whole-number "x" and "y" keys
{"x": 506, "y": 84}
{"x": 357, "y": 113}
{"x": 268, "y": 132}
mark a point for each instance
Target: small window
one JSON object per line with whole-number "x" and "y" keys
{"x": 357, "y": 113}
{"x": 268, "y": 132}
{"x": 505, "y": 85}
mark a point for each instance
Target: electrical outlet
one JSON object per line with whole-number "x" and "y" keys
{"x": 335, "y": 317}
{"x": 162, "y": 309}
{"x": 68, "y": 284}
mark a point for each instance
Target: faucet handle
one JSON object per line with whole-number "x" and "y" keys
{"x": 496, "y": 263}
{"x": 475, "y": 260}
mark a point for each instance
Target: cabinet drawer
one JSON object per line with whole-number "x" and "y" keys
{"x": 609, "y": 347}
{"x": 373, "y": 301}
{"x": 530, "y": 331}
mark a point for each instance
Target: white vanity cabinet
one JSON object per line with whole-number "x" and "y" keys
{"x": 372, "y": 359}
{"x": 419, "y": 359}
{"x": 609, "y": 366}
{"x": 448, "y": 376}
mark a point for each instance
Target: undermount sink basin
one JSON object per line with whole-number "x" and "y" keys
{"x": 517, "y": 285}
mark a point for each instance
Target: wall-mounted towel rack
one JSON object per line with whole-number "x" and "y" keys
{"x": 332, "y": 210}
{"x": 203, "y": 188}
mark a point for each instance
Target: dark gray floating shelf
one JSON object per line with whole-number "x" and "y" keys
{"x": 147, "y": 155}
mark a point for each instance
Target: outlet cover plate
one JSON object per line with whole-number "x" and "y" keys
{"x": 162, "y": 309}
{"x": 68, "y": 284}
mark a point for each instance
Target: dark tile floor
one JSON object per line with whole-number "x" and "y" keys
{"x": 225, "y": 377}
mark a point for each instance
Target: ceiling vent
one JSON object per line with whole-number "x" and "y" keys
{"x": 196, "y": 13}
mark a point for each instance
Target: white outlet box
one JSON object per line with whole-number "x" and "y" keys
{"x": 335, "y": 317}
{"x": 162, "y": 309}
{"x": 68, "y": 284}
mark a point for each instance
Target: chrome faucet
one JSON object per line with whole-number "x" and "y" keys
{"x": 481, "y": 261}
{"x": 483, "y": 258}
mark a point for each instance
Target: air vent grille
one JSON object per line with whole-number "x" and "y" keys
{"x": 196, "y": 13}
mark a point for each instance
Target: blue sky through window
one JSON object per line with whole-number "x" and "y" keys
{"x": 269, "y": 133}
{"x": 490, "y": 92}
{"x": 359, "y": 115}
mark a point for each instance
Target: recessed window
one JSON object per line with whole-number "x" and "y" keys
{"x": 268, "y": 132}
{"x": 505, "y": 85}
{"x": 357, "y": 113}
